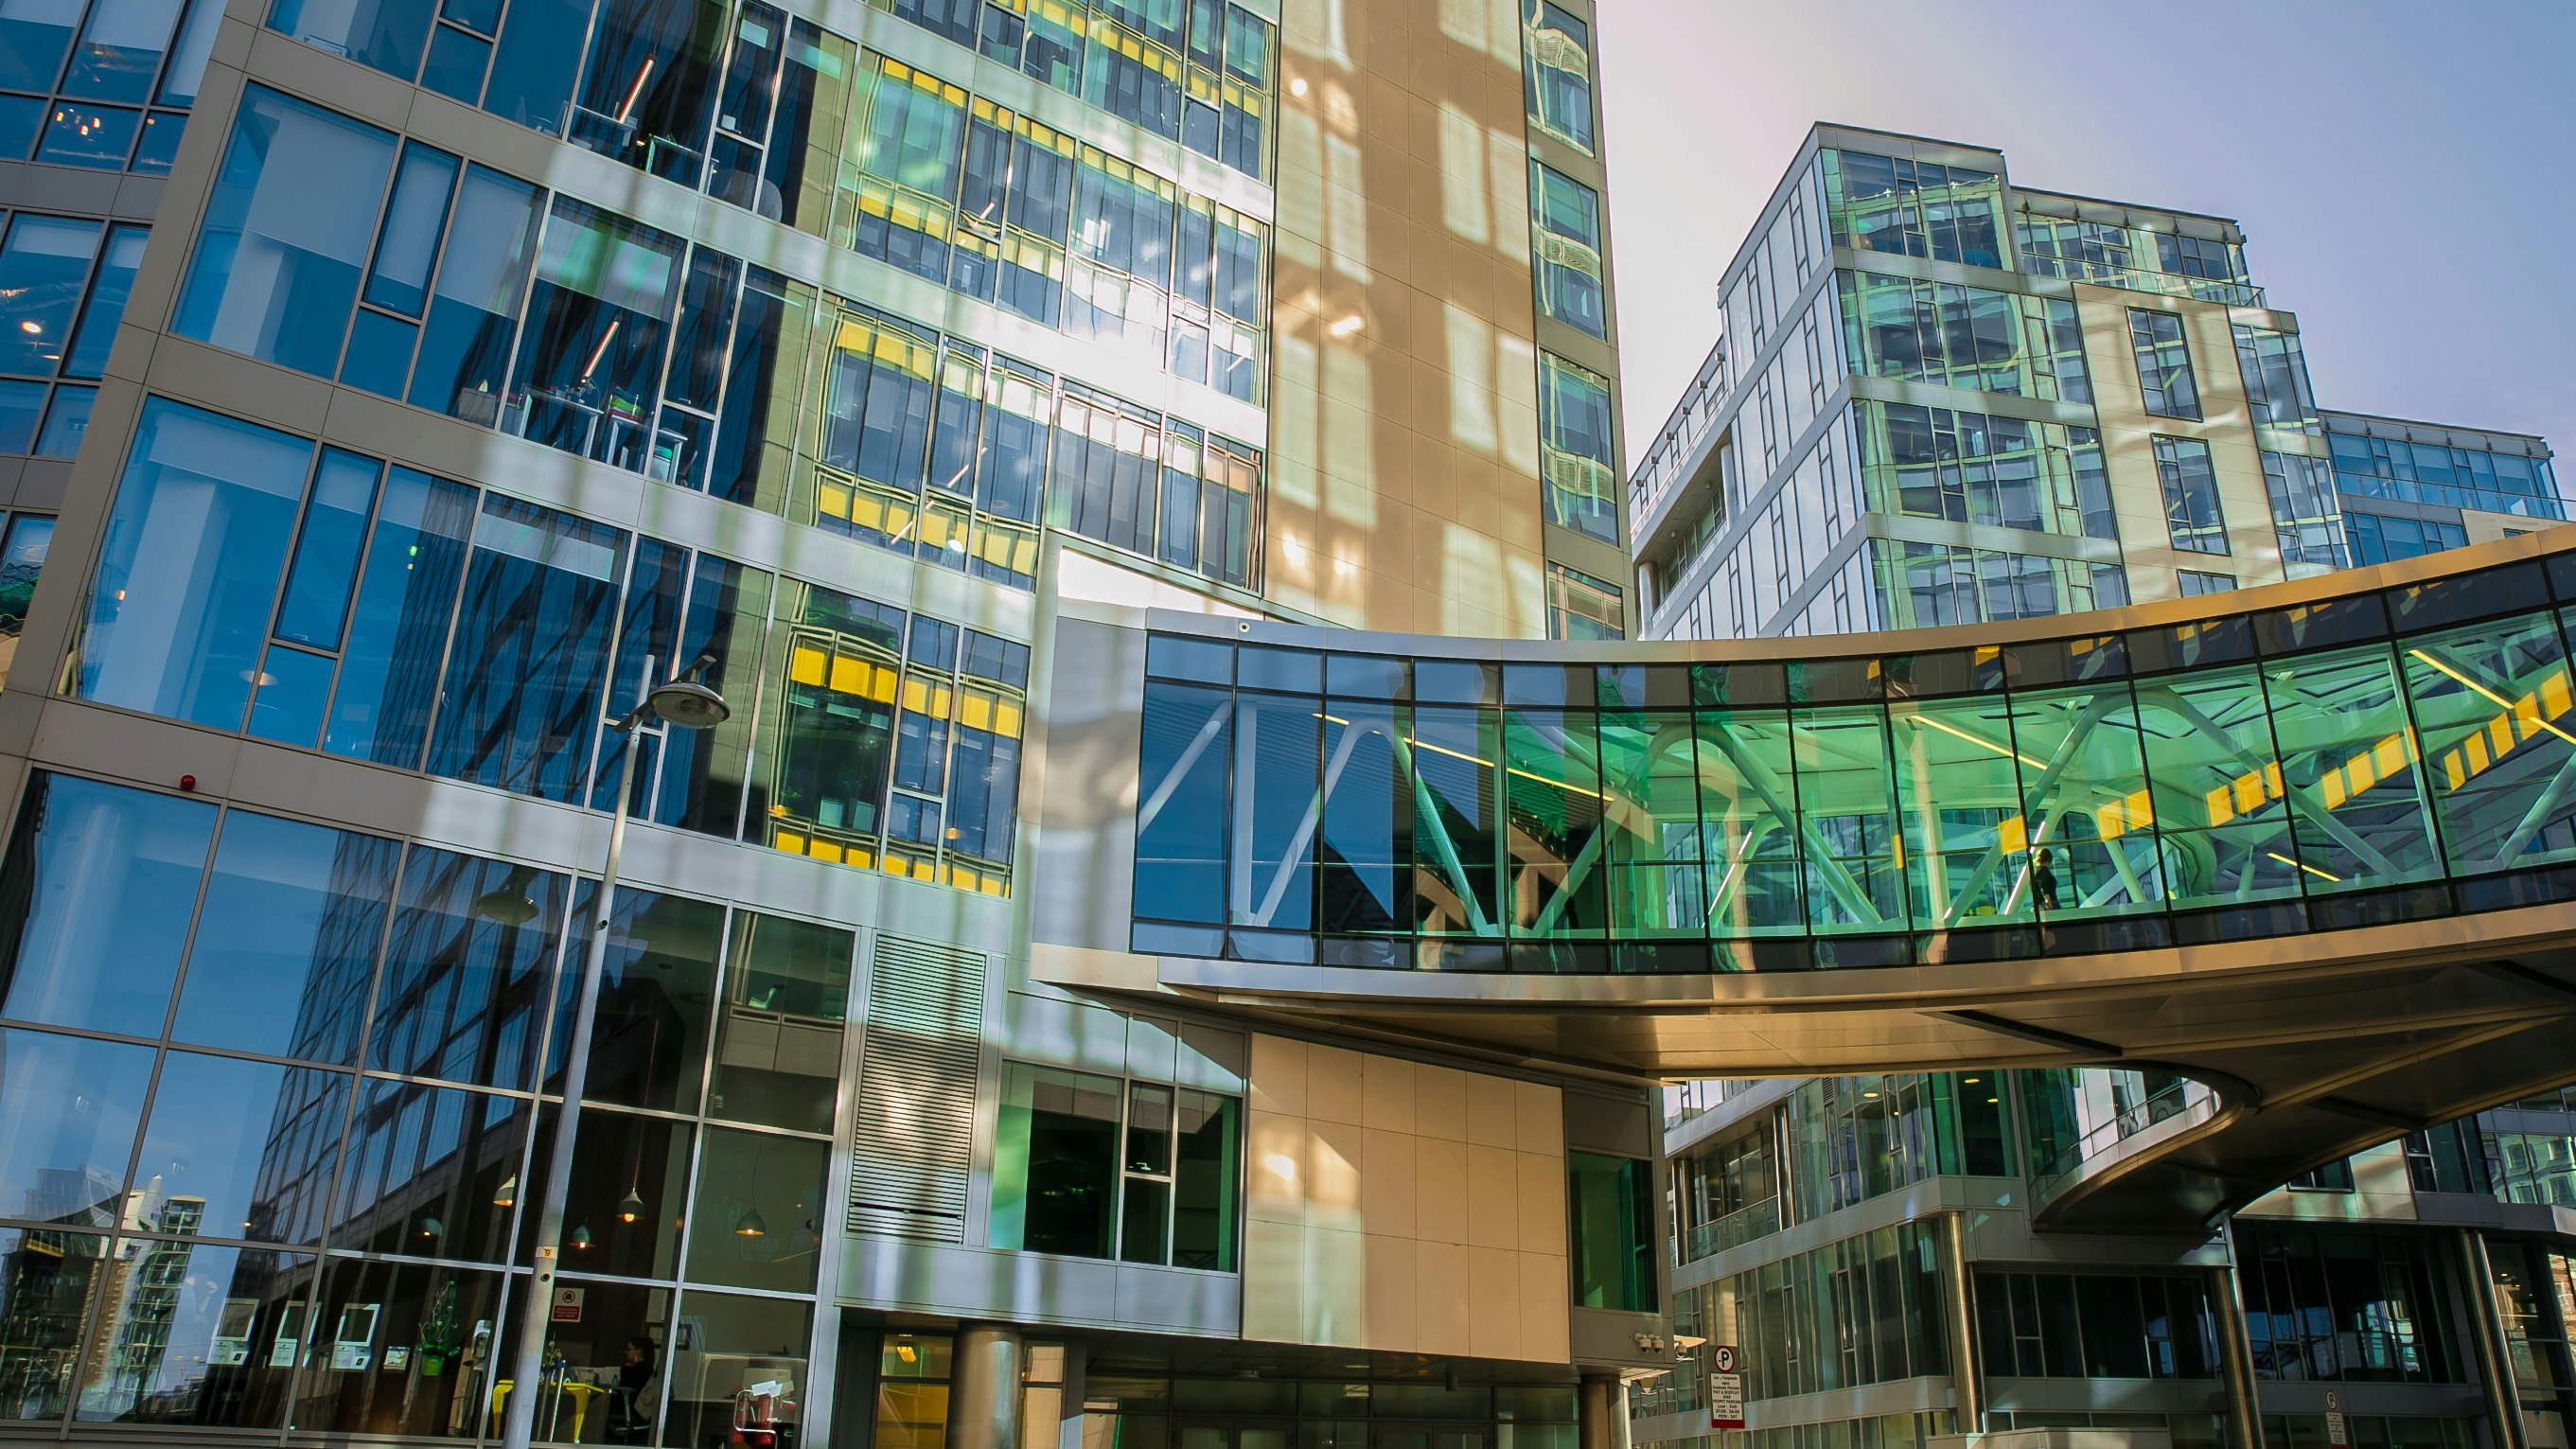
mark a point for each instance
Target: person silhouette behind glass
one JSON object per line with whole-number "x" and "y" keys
{"x": 2043, "y": 881}
{"x": 635, "y": 1396}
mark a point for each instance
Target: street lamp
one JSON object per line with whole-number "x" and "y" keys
{"x": 690, "y": 705}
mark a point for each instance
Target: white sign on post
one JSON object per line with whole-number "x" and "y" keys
{"x": 2336, "y": 1433}
{"x": 1725, "y": 1388}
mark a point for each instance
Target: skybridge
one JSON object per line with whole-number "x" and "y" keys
{"x": 2312, "y": 845}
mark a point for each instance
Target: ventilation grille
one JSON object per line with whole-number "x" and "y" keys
{"x": 912, "y": 1149}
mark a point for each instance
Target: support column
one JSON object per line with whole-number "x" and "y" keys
{"x": 1600, "y": 1413}
{"x": 1967, "y": 1376}
{"x": 2235, "y": 1356}
{"x": 984, "y": 1387}
{"x": 2487, "y": 1336}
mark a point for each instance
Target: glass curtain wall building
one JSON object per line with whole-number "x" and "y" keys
{"x": 1938, "y": 397}
{"x": 415, "y": 386}
{"x": 1805, "y": 1209}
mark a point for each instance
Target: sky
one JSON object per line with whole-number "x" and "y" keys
{"x": 2405, "y": 174}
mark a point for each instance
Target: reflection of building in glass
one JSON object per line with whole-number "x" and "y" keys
{"x": 145, "y": 1281}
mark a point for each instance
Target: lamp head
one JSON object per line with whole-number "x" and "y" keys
{"x": 689, "y": 704}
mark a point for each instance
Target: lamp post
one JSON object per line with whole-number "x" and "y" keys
{"x": 690, "y": 705}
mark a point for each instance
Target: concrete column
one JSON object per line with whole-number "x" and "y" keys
{"x": 1600, "y": 1413}
{"x": 984, "y": 1387}
{"x": 1967, "y": 1376}
{"x": 2487, "y": 1336}
{"x": 2235, "y": 1357}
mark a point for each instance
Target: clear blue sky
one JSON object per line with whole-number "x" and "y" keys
{"x": 2405, "y": 173}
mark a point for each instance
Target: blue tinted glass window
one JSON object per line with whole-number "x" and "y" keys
{"x": 81, "y": 134}
{"x": 590, "y": 363}
{"x": 398, "y": 625}
{"x": 187, "y": 69}
{"x": 108, "y": 289}
{"x": 35, "y": 36}
{"x": 432, "y": 1170}
{"x": 523, "y": 686}
{"x": 120, "y": 50}
{"x": 20, "y": 118}
{"x": 386, "y": 34}
{"x": 63, "y": 1165}
{"x": 399, "y": 280}
{"x": 472, "y": 945}
{"x": 285, "y": 237}
{"x": 190, "y": 565}
{"x": 292, "y": 688}
{"x": 102, "y": 880}
{"x": 286, "y": 940}
{"x": 22, "y": 405}
{"x": 214, "y": 1160}
{"x": 44, "y": 264}
{"x": 474, "y": 309}
{"x": 66, "y": 422}
{"x": 456, "y": 64}
{"x": 326, "y": 553}
{"x": 379, "y": 353}
{"x": 159, "y": 148}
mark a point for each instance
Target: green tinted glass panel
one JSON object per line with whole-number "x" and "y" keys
{"x": 1964, "y": 841}
{"x": 2086, "y": 807}
{"x": 2216, "y": 788}
{"x": 1746, "y": 787}
{"x": 2493, "y": 704}
{"x": 1847, "y": 810}
{"x": 2348, "y": 765}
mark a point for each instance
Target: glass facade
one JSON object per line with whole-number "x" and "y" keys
{"x": 1090, "y": 1166}
{"x": 63, "y": 284}
{"x": 1913, "y": 208}
{"x": 1969, "y": 467}
{"x": 1913, "y": 330}
{"x": 2138, "y": 258}
{"x": 323, "y": 599}
{"x": 2347, "y": 1307}
{"x": 1924, "y": 584}
{"x": 2096, "y": 1326}
{"x": 2368, "y": 466}
{"x": 2253, "y": 774}
{"x": 315, "y": 1061}
{"x": 1863, "y": 1310}
{"x": 689, "y": 92}
{"x": 105, "y": 85}
{"x": 569, "y": 326}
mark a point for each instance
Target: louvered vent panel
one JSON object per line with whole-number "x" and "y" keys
{"x": 913, "y": 1146}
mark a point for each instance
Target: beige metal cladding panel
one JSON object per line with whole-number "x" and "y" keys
{"x": 2128, "y": 443}
{"x": 1404, "y": 488}
{"x": 1399, "y": 1206}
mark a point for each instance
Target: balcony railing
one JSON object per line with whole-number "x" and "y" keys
{"x": 1753, "y": 1220}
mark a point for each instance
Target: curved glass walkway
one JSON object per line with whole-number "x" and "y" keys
{"x": 2389, "y": 754}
